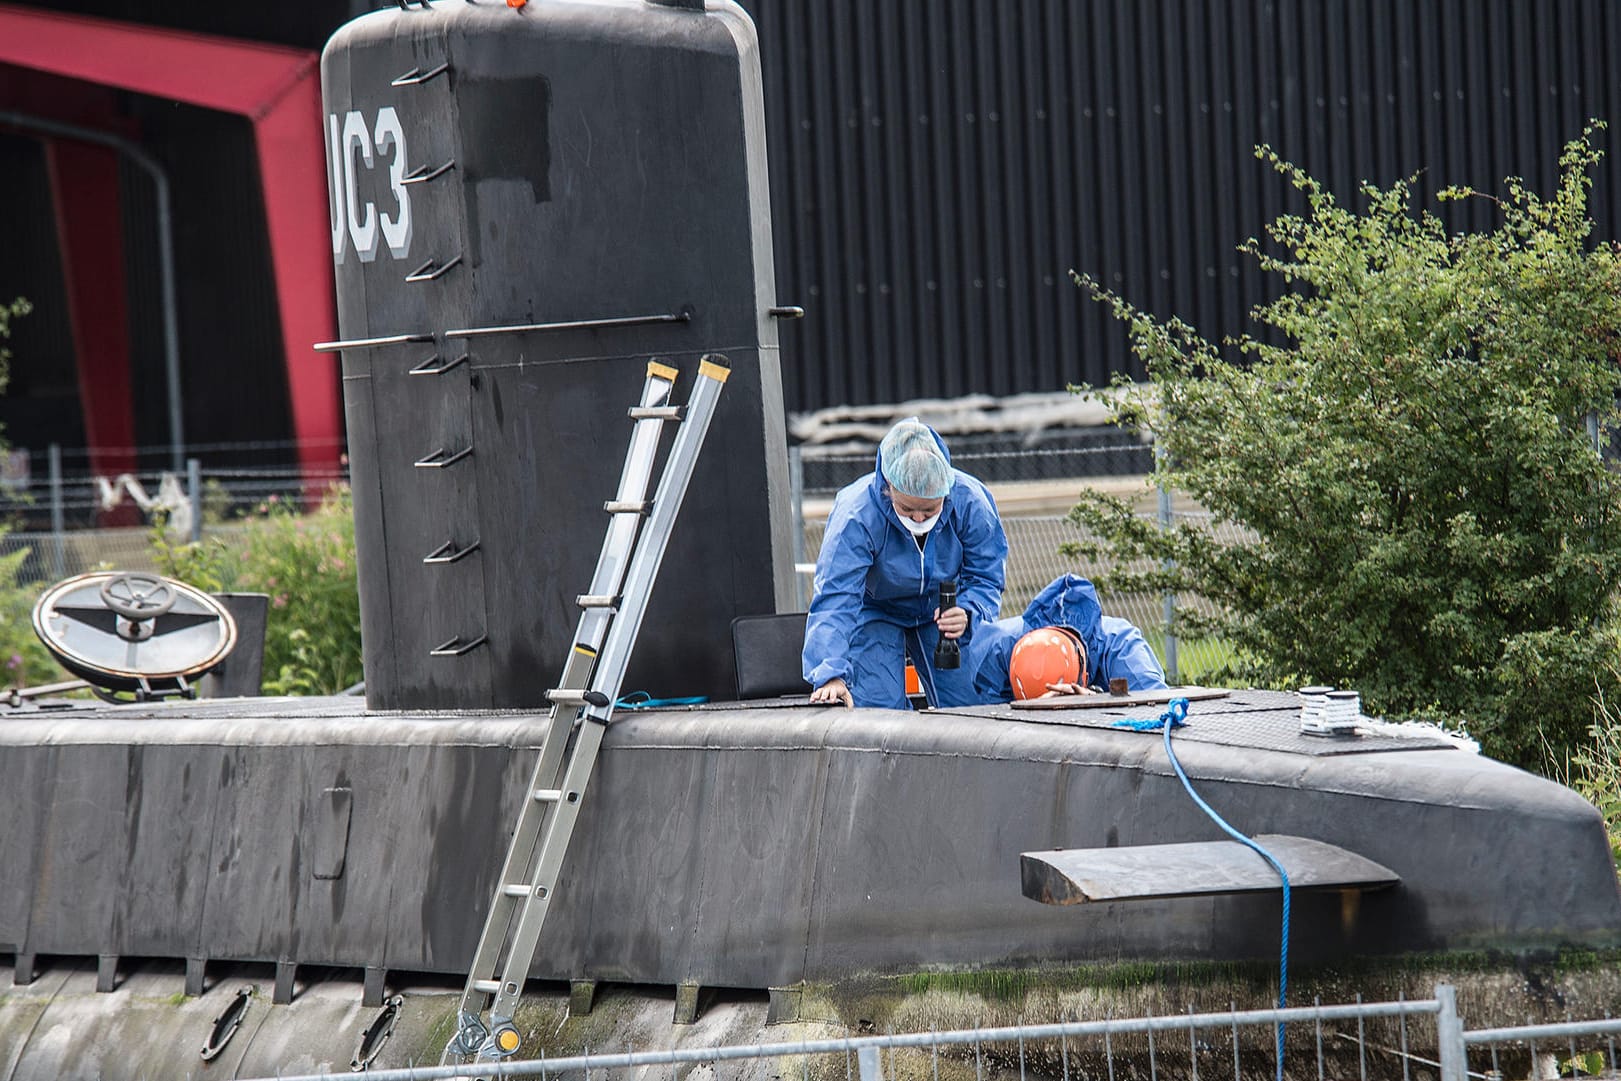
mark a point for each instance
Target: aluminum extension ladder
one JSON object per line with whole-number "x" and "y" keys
{"x": 638, "y": 533}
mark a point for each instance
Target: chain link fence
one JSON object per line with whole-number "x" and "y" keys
{"x": 1035, "y": 488}
{"x": 69, "y": 519}
{"x": 1035, "y": 559}
{"x": 74, "y": 488}
{"x": 1035, "y": 484}
{"x": 50, "y": 557}
{"x": 993, "y": 458}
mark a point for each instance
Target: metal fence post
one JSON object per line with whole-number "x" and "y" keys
{"x": 796, "y": 488}
{"x": 1165, "y": 515}
{"x": 1454, "y": 1054}
{"x": 872, "y": 1067}
{"x": 194, "y": 496}
{"x": 59, "y": 555}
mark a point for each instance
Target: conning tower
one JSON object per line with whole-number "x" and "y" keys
{"x": 527, "y": 204}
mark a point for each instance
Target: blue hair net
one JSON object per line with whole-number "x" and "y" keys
{"x": 913, "y": 462}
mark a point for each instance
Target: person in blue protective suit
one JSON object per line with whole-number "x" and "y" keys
{"x": 1112, "y": 648}
{"x": 892, "y": 538}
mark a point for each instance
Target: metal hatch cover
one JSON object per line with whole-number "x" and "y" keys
{"x": 136, "y": 632}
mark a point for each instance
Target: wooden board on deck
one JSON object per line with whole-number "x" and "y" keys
{"x": 1122, "y": 701}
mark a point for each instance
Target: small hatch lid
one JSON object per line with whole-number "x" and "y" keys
{"x": 129, "y": 631}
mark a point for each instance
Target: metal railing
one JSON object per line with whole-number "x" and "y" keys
{"x": 1185, "y": 1046}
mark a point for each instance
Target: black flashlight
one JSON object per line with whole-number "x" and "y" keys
{"x": 946, "y": 652}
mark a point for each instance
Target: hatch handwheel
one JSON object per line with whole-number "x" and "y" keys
{"x": 137, "y": 597}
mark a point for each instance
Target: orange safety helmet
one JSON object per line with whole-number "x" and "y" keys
{"x": 1046, "y": 655}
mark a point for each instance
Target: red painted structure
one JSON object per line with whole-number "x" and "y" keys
{"x": 72, "y": 63}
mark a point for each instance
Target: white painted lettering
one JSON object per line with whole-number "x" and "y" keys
{"x": 396, "y": 229}
{"x": 362, "y": 229}
{"x": 334, "y": 186}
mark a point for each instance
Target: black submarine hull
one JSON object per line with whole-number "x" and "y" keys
{"x": 755, "y": 845}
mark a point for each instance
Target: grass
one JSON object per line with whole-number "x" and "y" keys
{"x": 1196, "y": 659}
{"x": 1012, "y": 985}
{"x": 1595, "y": 772}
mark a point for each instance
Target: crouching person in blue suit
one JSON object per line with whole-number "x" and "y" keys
{"x": 1113, "y": 648}
{"x": 892, "y": 538}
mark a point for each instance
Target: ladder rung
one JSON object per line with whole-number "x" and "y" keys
{"x": 657, "y": 412}
{"x": 489, "y": 987}
{"x": 626, "y": 506}
{"x": 598, "y": 600}
{"x": 516, "y": 889}
{"x": 548, "y": 795}
{"x": 569, "y": 697}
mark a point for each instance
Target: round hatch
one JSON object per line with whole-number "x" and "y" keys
{"x": 134, "y": 632}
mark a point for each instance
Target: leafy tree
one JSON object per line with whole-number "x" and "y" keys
{"x": 1409, "y": 449}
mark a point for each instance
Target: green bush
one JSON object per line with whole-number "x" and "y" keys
{"x": 306, "y": 564}
{"x": 1431, "y": 523}
{"x": 24, "y": 660}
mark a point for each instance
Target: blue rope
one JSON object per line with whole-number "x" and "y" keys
{"x": 643, "y": 700}
{"x": 1176, "y": 717}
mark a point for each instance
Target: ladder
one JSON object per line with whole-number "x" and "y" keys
{"x": 611, "y": 615}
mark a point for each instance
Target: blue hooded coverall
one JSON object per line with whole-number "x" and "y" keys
{"x": 1115, "y": 648}
{"x": 877, "y": 588}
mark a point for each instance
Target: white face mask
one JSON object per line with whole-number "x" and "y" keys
{"x": 918, "y": 529}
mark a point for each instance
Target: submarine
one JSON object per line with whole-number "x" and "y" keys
{"x": 532, "y": 207}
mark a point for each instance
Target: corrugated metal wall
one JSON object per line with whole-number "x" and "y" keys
{"x": 938, "y": 166}
{"x": 41, "y": 372}
{"x": 231, "y": 355}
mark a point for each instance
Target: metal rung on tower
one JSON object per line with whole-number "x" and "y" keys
{"x": 629, "y": 562}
